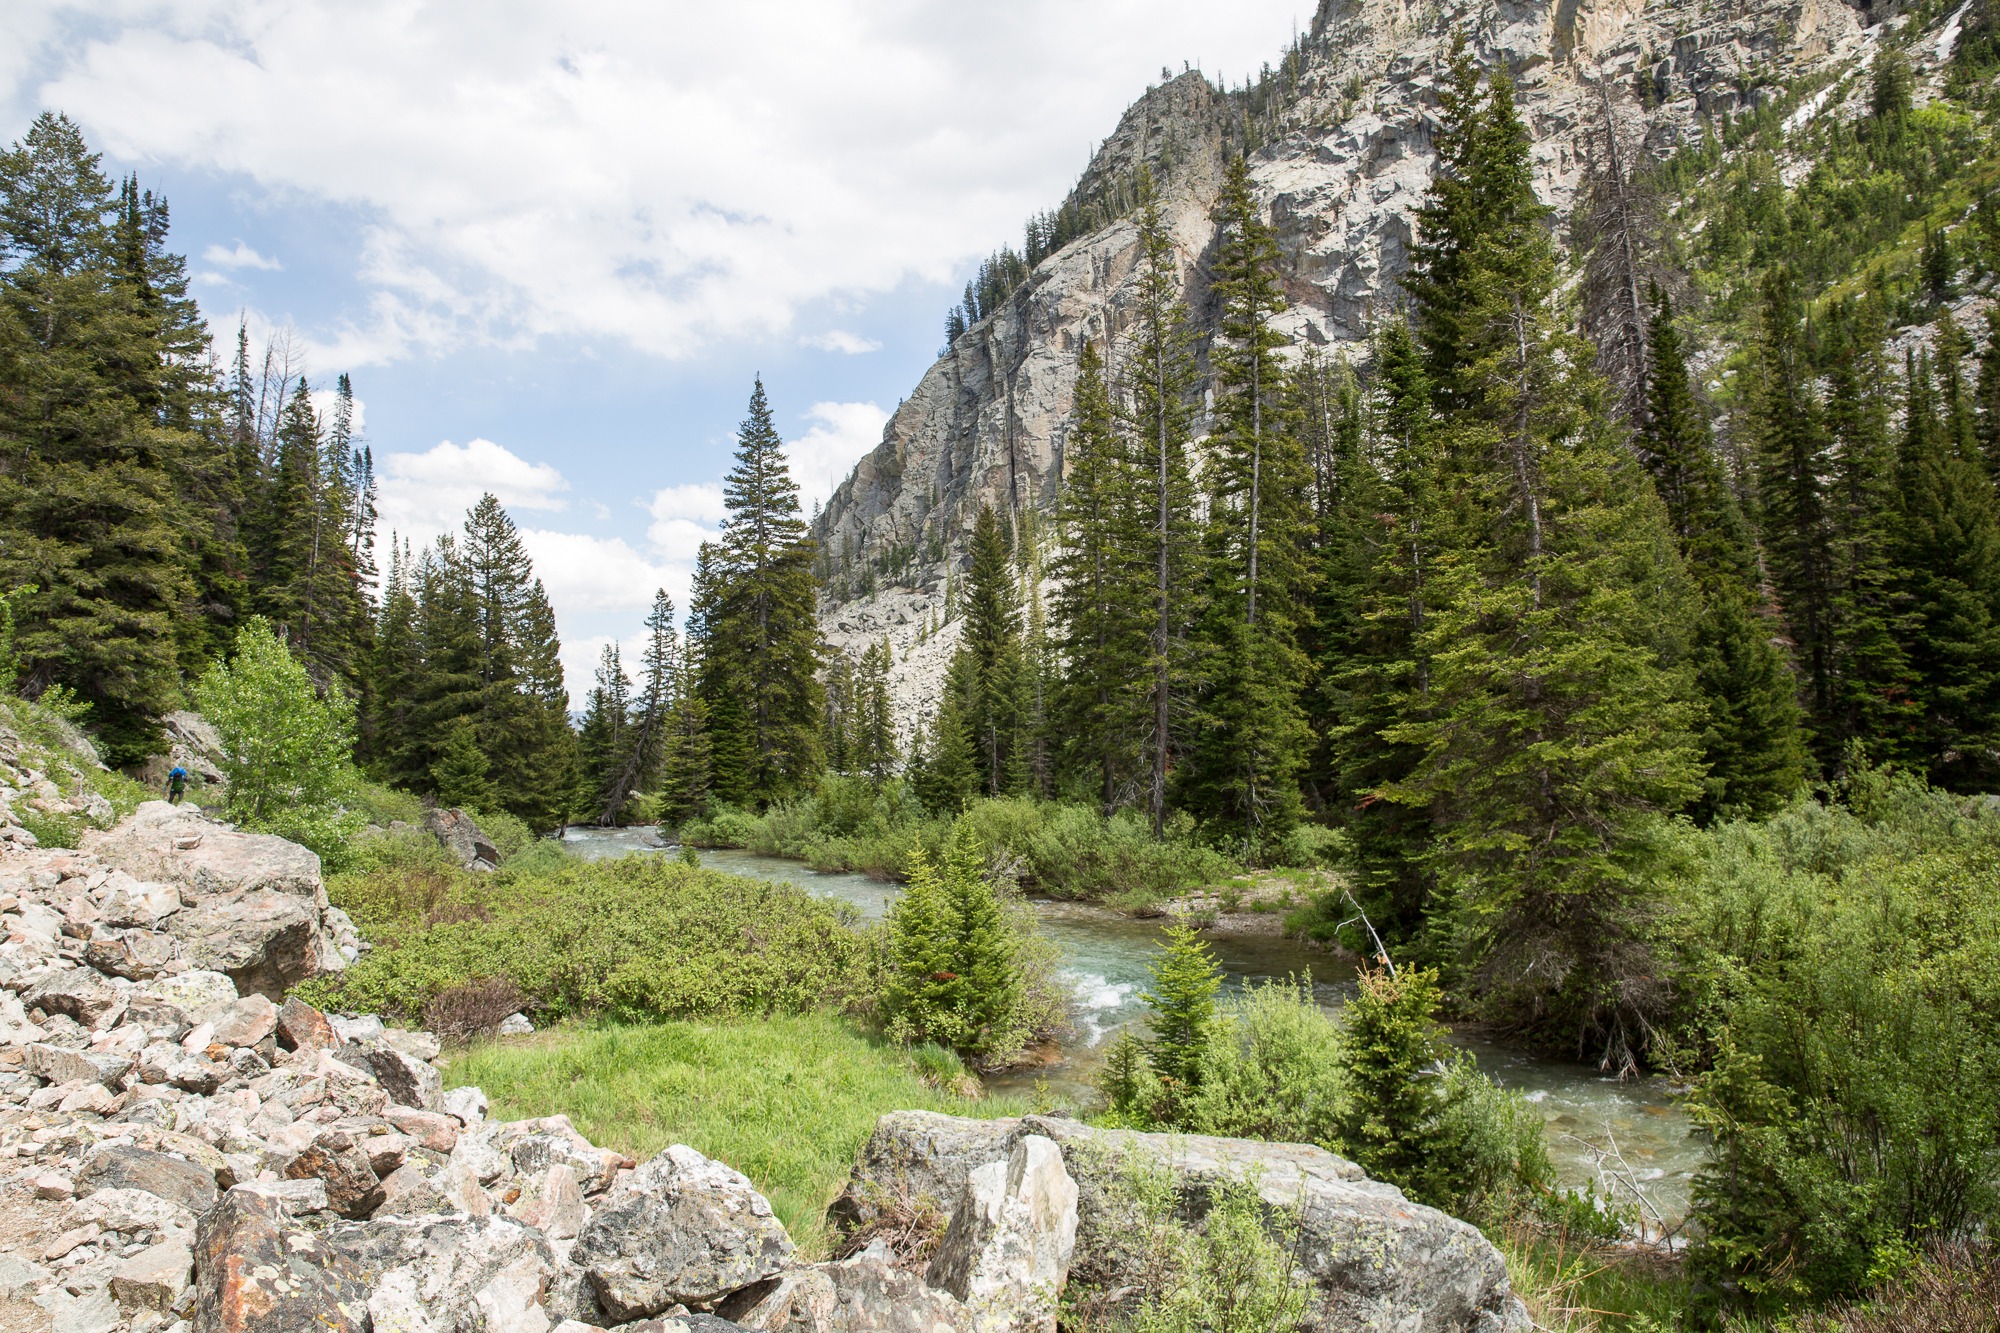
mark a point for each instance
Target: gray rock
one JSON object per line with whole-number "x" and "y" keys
{"x": 515, "y": 1025}
{"x": 334, "y": 1159}
{"x": 683, "y": 1229}
{"x": 77, "y": 993}
{"x": 263, "y": 940}
{"x": 130, "y": 902}
{"x": 1007, "y": 1251}
{"x": 458, "y": 834}
{"x": 865, "y": 1294}
{"x": 249, "y": 1021}
{"x": 55, "y": 1064}
{"x": 468, "y": 1104}
{"x": 192, "y": 991}
{"x": 138, "y": 955}
{"x": 155, "y": 1277}
{"x": 161, "y": 843}
{"x": 408, "y": 1080}
{"x": 184, "y": 1183}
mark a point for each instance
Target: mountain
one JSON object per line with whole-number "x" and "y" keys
{"x": 1338, "y": 137}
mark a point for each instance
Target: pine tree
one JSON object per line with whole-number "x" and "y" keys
{"x": 1554, "y": 718}
{"x": 461, "y": 775}
{"x": 1790, "y": 446}
{"x": 687, "y": 779}
{"x": 88, "y": 435}
{"x": 875, "y": 720}
{"x": 1752, "y": 740}
{"x": 951, "y": 954}
{"x": 946, "y": 775}
{"x": 989, "y": 667}
{"x": 1244, "y": 770}
{"x": 1102, "y": 628}
{"x": 1950, "y": 557}
{"x": 761, "y": 634}
{"x": 1159, "y": 377}
{"x": 607, "y": 718}
{"x": 1181, "y": 1001}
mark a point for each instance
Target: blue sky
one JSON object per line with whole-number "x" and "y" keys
{"x": 552, "y": 243}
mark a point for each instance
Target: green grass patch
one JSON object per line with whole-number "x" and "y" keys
{"x": 788, "y": 1101}
{"x": 1587, "y": 1287}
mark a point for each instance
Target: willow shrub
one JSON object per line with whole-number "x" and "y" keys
{"x": 1841, "y": 965}
{"x": 637, "y": 938}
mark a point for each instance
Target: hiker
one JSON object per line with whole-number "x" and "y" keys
{"x": 177, "y": 782}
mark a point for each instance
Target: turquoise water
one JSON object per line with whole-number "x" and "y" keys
{"x": 1633, "y": 1125}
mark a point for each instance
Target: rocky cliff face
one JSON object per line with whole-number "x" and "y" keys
{"x": 1342, "y": 164}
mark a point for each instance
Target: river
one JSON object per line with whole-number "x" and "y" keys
{"x": 1588, "y": 1114}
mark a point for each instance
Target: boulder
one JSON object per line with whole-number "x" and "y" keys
{"x": 263, "y": 940}
{"x": 256, "y": 1271}
{"x": 428, "y": 1129}
{"x": 1007, "y": 1251}
{"x": 408, "y": 1080}
{"x": 458, "y": 834}
{"x": 249, "y": 1021}
{"x": 170, "y": 845}
{"x": 78, "y": 993}
{"x": 918, "y": 1156}
{"x": 15, "y": 1029}
{"x": 865, "y": 1294}
{"x": 155, "y": 1277}
{"x": 132, "y": 903}
{"x": 131, "y": 1211}
{"x": 183, "y": 1183}
{"x": 681, "y": 1230}
{"x": 335, "y": 1159}
{"x": 301, "y": 1027}
{"x": 467, "y": 1105}
{"x": 192, "y": 991}
{"x": 137, "y": 955}
{"x": 59, "y": 1065}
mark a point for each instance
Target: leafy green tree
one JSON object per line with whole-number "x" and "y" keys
{"x": 1181, "y": 1005}
{"x": 287, "y": 750}
{"x": 760, "y": 633}
{"x": 1243, "y": 771}
{"x": 951, "y": 953}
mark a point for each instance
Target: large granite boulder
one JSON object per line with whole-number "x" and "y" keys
{"x": 264, "y": 941}
{"x": 258, "y": 1271}
{"x": 682, "y": 1230}
{"x": 1007, "y": 1250}
{"x": 865, "y": 1294}
{"x": 171, "y": 1178}
{"x": 1376, "y": 1259}
{"x": 171, "y": 845}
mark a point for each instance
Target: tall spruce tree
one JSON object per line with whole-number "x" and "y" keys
{"x": 1158, "y": 377}
{"x": 1556, "y": 728}
{"x": 760, "y": 647}
{"x": 603, "y": 740}
{"x": 989, "y": 668}
{"x": 1244, "y": 766}
{"x": 97, "y": 525}
{"x": 1752, "y": 737}
{"x": 1100, "y": 606}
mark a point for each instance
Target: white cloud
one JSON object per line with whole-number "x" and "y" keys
{"x": 238, "y": 256}
{"x": 425, "y": 494}
{"x": 683, "y": 518}
{"x": 665, "y": 173}
{"x": 824, "y": 455}
{"x": 840, "y": 340}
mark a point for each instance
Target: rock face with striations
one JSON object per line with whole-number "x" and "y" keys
{"x": 1342, "y": 162}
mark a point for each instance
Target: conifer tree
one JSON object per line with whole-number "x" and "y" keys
{"x": 1555, "y": 722}
{"x": 1950, "y": 557}
{"x": 1159, "y": 377}
{"x": 461, "y": 775}
{"x": 946, "y": 775}
{"x": 88, "y": 489}
{"x": 1102, "y": 624}
{"x": 988, "y": 668}
{"x": 1182, "y": 1004}
{"x": 687, "y": 765}
{"x": 874, "y": 739}
{"x": 1244, "y": 769}
{"x": 761, "y": 635}
{"x": 952, "y": 978}
{"x": 607, "y": 718}
{"x": 1752, "y": 738}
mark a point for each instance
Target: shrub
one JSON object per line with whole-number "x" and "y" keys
{"x": 1840, "y": 970}
{"x": 287, "y": 750}
{"x": 471, "y": 1009}
{"x": 1271, "y": 1069}
{"x": 1954, "y": 1289}
{"x": 639, "y": 937}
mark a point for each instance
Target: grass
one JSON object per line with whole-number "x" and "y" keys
{"x": 1572, "y": 1286}
{"x": 787, "y": 1100}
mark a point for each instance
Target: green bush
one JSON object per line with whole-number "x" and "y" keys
{"x": 53, "y": 830}
{"x": 1842, "y": 969}
{"x": 1271, "y": 1069}
{"x": 638, "y": 937}
{"x": 287, "y": 750}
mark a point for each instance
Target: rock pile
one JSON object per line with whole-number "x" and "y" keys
{"x": 184, "y": 1149}
{"x": 28, "y": 787}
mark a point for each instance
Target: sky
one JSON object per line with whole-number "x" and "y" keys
{"x": 553, "y": 243}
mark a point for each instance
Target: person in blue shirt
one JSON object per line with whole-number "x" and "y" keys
{"x": 177, "y": 782}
